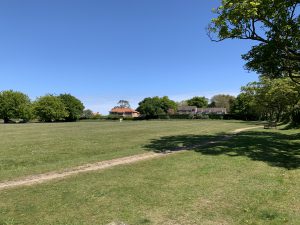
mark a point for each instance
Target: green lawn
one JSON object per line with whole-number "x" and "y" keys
{"x": 34, "y": 148}
{"x": 253, "y": 178}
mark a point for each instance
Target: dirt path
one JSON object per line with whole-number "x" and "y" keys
{"x": 41, "y": 178}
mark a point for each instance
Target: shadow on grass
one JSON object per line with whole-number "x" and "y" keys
{"x": 276, "y": 149}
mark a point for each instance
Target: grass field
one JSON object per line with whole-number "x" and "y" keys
{"x": 34, "y": 148}
{"x": 253, "y": 178}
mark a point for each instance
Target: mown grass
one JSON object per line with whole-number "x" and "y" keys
{"x": 35, "y": 148}
{"x": 253, "y": 178}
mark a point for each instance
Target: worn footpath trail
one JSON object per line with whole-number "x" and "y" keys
{"x": 41, "y": 178}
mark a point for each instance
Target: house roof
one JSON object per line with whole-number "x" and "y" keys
{"x": 123, "y": 110}
{"x": 212, "y": 109}
{"x": 185, "y": 108}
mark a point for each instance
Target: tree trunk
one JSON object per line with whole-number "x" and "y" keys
{"x": 6, "y": 120}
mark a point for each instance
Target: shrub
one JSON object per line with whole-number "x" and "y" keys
{"x": 179, "y": 116}
{"x": 163, "y": 117}
{"x": 113, "y": 117}
{"x": 96, "y": 116}
{"x": 201, "y": 116}
{"x": 215, "y": 116}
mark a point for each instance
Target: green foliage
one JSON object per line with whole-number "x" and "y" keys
{"x": 50, "y": 108}
{"x": 87, "y": 114}
{"x": 96, "y": 116}
{"x": 199, "y": 102}
{"x": 296, "y": 116}
{"x": 180, "y": 116}
{"x": 201, "y": 116}
{"x": 164, "y": 117}
{"x": 244, "y": 107}
{"x": 123, "y": 104}
{"x": 182, "y": 103}
{"x": 274, "y": 25}
{"x": 154, "y": 107}
{"x": 113, "y": 117}
{"x": 212, "y": 105}
{"x": 14, "y": 105}
{"x": 74, "y": 107}
{"x": 215, "y": 116}
{"x": 222, "y": 101}
{"x": 271, "y": 99}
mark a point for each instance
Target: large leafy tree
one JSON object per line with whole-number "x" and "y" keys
{"x": 222, "y": 101}
{"x": 123, "y": 104}
{"x": 197, "y": 101}
{"x": 277, "y": 97}
{"x": 273, "y": 25}
{"x": 244, "y": 106}
{"x": 50, "y": 108}
{"x": 153, "y": 107}
{"x": 14, "y": 105}
{"x": 272, "y": 99}
{"x": 73, "y": 106}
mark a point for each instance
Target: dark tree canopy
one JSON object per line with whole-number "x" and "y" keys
{"x": 152, "y": 107}
{"x": 197, "y": 101}
{"x": 73, "y": 106}
{"x": 274, "y": 25}
{"x": 14, "y": 105}
{"x": 123, "y": 104}
{"x": 244, "y": 106}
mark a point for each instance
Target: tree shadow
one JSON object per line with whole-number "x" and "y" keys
{"x": 276, "y": 149}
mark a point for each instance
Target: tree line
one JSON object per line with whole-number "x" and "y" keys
{"x": 267, "y": 99}
{"x": 48, "y": 108}
{"x": 157, "y": 107}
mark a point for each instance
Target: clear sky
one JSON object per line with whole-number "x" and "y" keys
{"x": 102, "y": 51}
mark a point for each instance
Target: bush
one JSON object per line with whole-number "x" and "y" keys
{"x": 163, "y": 117}
{"x": 202, "y": 116}
{"x": 215, "y": 116}
{"x": 96, "y": 117}
{"x": 113, "y": 117}
{"x": 128, "y": 118}
{"x": 296, "y": 117}
{"x": 180, "y": 116}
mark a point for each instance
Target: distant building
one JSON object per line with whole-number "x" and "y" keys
{"x": 187, "y": 110}
{"x": 124, "y": 112}
{"x": 219, "y": 111}
{"x": 193, "y": 110}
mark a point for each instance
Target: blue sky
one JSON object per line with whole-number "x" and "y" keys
{"x": 102, "y": 51}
